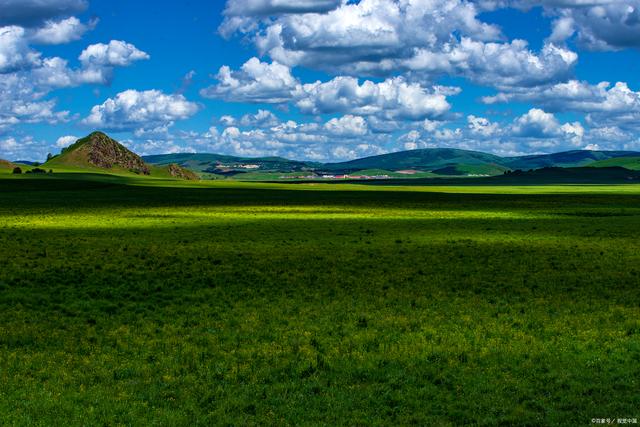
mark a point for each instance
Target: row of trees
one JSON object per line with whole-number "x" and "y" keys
{"x": 17, "y": 170}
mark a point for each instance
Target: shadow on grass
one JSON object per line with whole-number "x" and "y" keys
{"x": 20, "y": 196}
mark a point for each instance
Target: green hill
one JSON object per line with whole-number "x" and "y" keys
{"x": 632, "y": 163}
{"x": 424, "y": 159}
{"x": 99, "y": 153}
{"x": 449, "y": 161}
{"x": 217, "y": 163}
{"x": 573, "y": 158}
{"x": 4, "y": 164}
{"x": 578, "y": 175}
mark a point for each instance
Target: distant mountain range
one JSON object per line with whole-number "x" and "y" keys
{"x": 99, "y": 153}
{"x": 438, "y": 161}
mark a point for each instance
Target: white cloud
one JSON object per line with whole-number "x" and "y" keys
{"x": 424, "y": 39}
{"x": 536, "y": 123}
{"x": 482, "y": 126}
{"x": 24, "y": 148}
{"x": 115, "y": 54}
{"x": 261, "y": 119}
{"x": 260, "y": 82}
{"x": 539, "y": 124}
{"x": 256, "y": 81}
{"x": 65, "y": 141}
{"x": 15, "y": 53}
{"x": 344, "y": 135}
{"x": 98, "y": 64}
{"x": 35, "y": 12}
{"x": 506, "y": 64}
{"x": 59, "y": 32}
{"x": 606, "y": 105}
{"x": 347, "y": 126}
{"x": 21, "y": 102}
{"x": 393, "y": 99}
{"x": 273, "y": 7}
{"x": 142, "y": 111}
{"x": 609, "y": 25}
{"x": 26, "y": 78}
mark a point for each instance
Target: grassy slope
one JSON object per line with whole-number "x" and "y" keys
{"x": 632, "y": 163}
{"x": 443, "y": 160}
{"x": 269, "y": 176}
{"x": 575, "y": 158}
{"x": 6, "y": 166}
{"x": 462, "y": 169}
{"x": 157, "y": 172}
{"x": 341, "y": 304}
{"x": 203, "y": 161}
{"x": 74, "y": 160}
{"x": 418, "y": 159}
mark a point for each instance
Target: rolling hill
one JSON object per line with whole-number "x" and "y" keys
{"x": 425, "y": 159}
{"x": 575, "y": 158}
{"x": 449, "y": 161}
{"x": 217, "y": 163}
{"x": 631, "y": 163}
{"x": 99, "y": 153}
{"x": 4, "y": 164}
{"x": 439, "y": 161}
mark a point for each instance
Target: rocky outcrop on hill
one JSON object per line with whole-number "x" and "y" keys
{"x": 104, "y": 152}
{"x": 4, "y": 164}
{"x": 182, "y": 173}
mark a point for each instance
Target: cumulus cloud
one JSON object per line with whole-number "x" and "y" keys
{"x": 99, "y": 60}
{"x": 26, "y": 78}
{"x": 539, "y": 124}
{"x": 498, "y": 64}
{"x": 393, "y": 98}
{"x": 536, "y": 123}
{"x": 34, "y": 12}
{"x": 424, "y": 39}
{"x": 261, "y": 119}
{"x": 536, "y": 131}
{"x": 65, "y": 141}
{"x": 15, "y": 53}
{"x": 256, "y": 81}
{"x": 273, "y": 7}
{"x": 260, "y": 82}
{"x": 482, "y": 126}
{"x": 21, "y": 102}
{"x": 59, "y": 32}
{"x": 240, "y": 14}
{"x": 599, "y": 25}
{"x": 116, "y": 53}
{"x": 22, "y": 148}
{"x": 348, "y": 125}
{"x": 604, "y": 104}
{"x": 334, "y": 139}
{"x": 147, "y": 111}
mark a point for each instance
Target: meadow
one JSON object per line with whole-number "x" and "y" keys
{"x": 127, "y": 301}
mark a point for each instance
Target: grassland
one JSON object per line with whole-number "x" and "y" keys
{"x": 632, "y": 163}
{"x": 129, "y": 301}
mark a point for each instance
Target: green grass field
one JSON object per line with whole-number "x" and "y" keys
{"x": 128, "y": 301}
{"x": 632, "y": 163}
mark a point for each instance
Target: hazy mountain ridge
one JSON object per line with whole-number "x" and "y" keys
{"x": 445, "y": 161}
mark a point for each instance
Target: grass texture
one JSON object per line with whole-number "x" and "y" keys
{"x": 136, "y": 302}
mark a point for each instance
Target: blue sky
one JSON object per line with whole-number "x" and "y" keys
{"x": 321, "y": 79}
